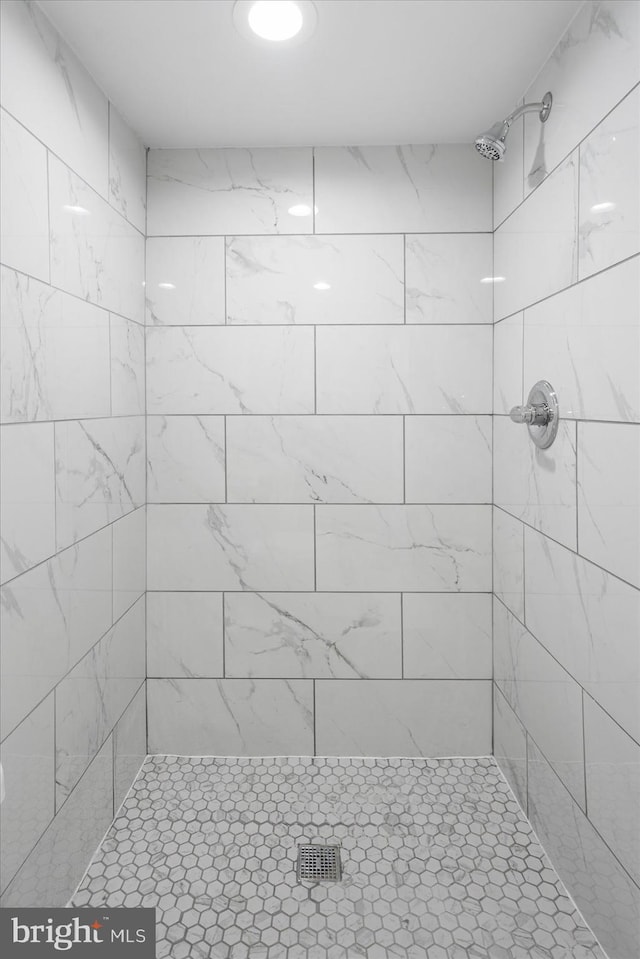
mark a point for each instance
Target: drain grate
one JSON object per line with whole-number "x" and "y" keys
{"x": 319, "y": 862}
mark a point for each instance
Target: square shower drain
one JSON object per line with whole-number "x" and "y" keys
{"x": 319, "y": 863}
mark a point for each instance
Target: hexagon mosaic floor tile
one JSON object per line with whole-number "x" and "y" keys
{"x": 437, "y": 858}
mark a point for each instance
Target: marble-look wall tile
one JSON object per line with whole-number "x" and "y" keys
{"x": 536, "y": 247}
{"x": 129, "y": 560}
{"x": 403, "y": 718}
{"x": 93, "y": 696}
{"x": 446, "y": 635}
{"x": 28, "y": 761}
{"x": 184, "y": 635}
{"x": 50, "y": 617}
{"x": 508, "y": 561}
{"x": 314, "y": 459}
{"x": 406, "y": 369}
{"x": 185, "y": 284}
{"x": 612, "y": 763}
{"x": 24, "y": 213}
{"x": 95, "y": 253}
{"x": 200, "y": 192}
{"x": 129, "y": 746}
{"x": 448, "y": 459}
{"x": 543, "y": 696}
{"x": 404, "y": 189}
{"x": 593, "y": 66}
{"x": 602, "y": 889}
{"x": 100, "y": 474}
{"x": 508, "y": 176}
{"x": 444, "y": 275}
{"x": 315, "y": 279}
{"x": 609, "y": 497}
{"x": 58, "y": 862}
{"x": 46, "y": 88}
{"x": 127, "y": 171}
{"x": 236, "y": 717}
{"x": 534, "y": 485}
{"x": 127, "y": 367}
{"x": 312, "y": 635}
{"x": 510, "y": 746}
{"x": 185, "y": 459}
{"x": 27, "y": 511}
{"x": 387, "y": 548}
{"x": 230, "y": 547}
{"x": 609, "y": 227}
{"x": 55, "y": 353}
{"x": 507, "y": 364}
{"x": 230, "y": 370}
{"x": 589, "y": 621}
{"x": 586, "y": 342}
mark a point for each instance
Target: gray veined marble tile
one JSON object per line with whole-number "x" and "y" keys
{"x": 239, "y": 717}
{"x": 312, "y": 635}
{"x": 507, "y": 364}
{"x": 508, "y": 561}
{"x": 314, "y": 459}
{"x": 387, "y": 548}
{"x": 185, "y": 459}
{"x": 510, "y": 746}
{"x": 508, "y": 186}
{"x": 185, "y": 281}
{"x": 315, "y": 279}
{"x": 127, "y": 367}
{"x": 129, "y": 746}
{"x": 100, "y": 474}
{"x": 233, "y": 547}
{"x": 184, "y": 635}
{"x": 127, "y": 171}
{"x": 448, "y": 459}
{"x": 446, "y": 636}
{"x": 229, "y": 370}
{"x": 23, "y": 193}
{"x": 55, "y": 353}
{"x": 129, "y": 560}
{"x": 444, "y": 276}
{"x": 199, "y": 192}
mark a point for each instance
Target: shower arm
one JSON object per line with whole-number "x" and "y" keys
{"x": 542, "y": 107}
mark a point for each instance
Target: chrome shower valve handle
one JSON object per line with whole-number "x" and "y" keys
{"x": 538, "y": 415}
{"x": 541, "y": 414}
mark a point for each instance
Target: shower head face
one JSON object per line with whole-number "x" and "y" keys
{"x": 490, "y": 147}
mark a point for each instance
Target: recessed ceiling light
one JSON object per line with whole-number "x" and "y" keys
{"x": 284, "y": 22}
{"x": 78, "y": 210}
{"x": 493, "y": 279}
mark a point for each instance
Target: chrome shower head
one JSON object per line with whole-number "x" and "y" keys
{"x": 492, "y": 143}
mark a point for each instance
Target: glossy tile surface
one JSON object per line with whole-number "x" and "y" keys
{"x": 510, "y": 746}
{"x": 185, "y": 280}
{"x": 448, "y": 459}
{"x": 184, "y": 634}
{"x": 127, "y": 171}
{"x": 447, "y": 636}
{"x": 185, "y": 459}
{"x": 444, "y": 276}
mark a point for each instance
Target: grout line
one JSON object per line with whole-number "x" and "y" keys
{"x": 224, "y": 639}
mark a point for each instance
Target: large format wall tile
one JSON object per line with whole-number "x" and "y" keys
{"x": 129, "y": 746}
{"x": 229, "y": 370}
{"x": 448, "y": 459}
{"x": 55, "y": 353}
{"x": 100, "y": 474}
{"x": 510, "y": 746}
{"x": 315, "y": 279}
{"x": 446, "y": 635}
{"x": 314, "y": 459}
{"x": 609, "y": 497}
{"x": 47, "y": 89}
{"x": 200, "y": 192}
{"x": 543, "y": 696}
{"x": 127, "y": 171}
{"x": 129, "y": 560}
{"x": 403, "y": 718}
{"x": 508, "y": 561}
{"x": 231, "y": 717}
{"x": 586, "y": 342}
{"x": 312, "y": 635}
{"x": 51, "y": 616}
{"x": 28, "y": 497}
{"x": 185, "y": 459}
{"x": 184, "y": 635}
{"x": 230, "y": 547}
{"x": 589, "y": 621}
{"x": 507, "y": 364}
{"x": 95, "y": 253}
{"x": 386, "y": 548}
{"x": 508, "y": 178}
{"x": 127, "y": 367}
{"x": 405, "y": 189}
{"x": 534, "y": 485}
{"x": 407, "y": 369}
{"x": 536, "y": 247}
{"x": 185, "y": 280}
{"x": 444, "y": 275}
{"x": 23, "y": 192}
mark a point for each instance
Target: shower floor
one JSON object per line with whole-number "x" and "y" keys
{"x": 438, "y": 861}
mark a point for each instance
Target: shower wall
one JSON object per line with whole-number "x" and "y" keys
{"x": 73, "y": 463}
{"x": 566, "y": 519}
{"x": 319, "y": 451}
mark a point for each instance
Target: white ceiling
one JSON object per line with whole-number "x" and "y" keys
{"x": 374, "y": 72}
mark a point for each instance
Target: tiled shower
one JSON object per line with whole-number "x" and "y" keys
{"x": 261, "y": 497}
